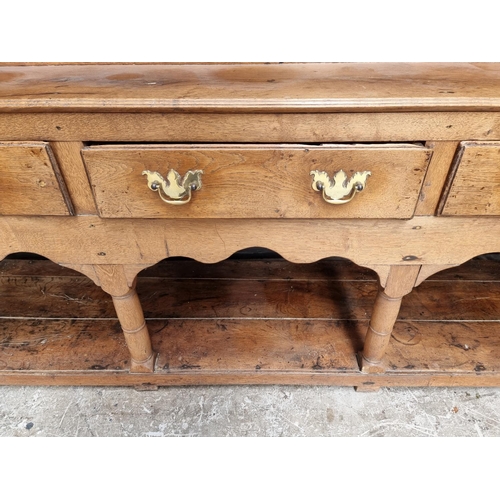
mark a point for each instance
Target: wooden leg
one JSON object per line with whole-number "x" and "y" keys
{"x": 116, "y": 280}
{"x": 129, "y": 311}
{"x": 385, "y": 313}
{"x": 400, "y": 282}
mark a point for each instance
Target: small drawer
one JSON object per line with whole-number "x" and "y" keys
{"x": 30, "y": 181}
{"x": 475, "y": 186}
{"x": 261, "y": 181}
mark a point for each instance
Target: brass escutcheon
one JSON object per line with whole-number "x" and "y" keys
{"x": 175, "y": 190}
{"x": 339, "y": 190}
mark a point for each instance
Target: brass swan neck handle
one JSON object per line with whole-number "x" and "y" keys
{"x": 339, "y": 189}
{"x": 174, "y": 190}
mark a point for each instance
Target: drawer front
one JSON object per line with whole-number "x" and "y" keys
{"x": 262, "y": 181}
{"x": 475, "y": 189}
{"x": 30, "y": 181}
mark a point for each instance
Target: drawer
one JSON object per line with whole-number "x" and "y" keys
{"x": 30, "y": 181}
{"x": 261, "y": 181}
{"x": 475, "y": 187}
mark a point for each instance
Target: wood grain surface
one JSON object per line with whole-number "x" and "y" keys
{"x": 475, "y": 188}
{"x": 256, "y": 87}
{"x": 68, "y": 157}
{"x": 30, "y": 181}
{"x": 368, "y": 243}
{"x": 251, "y": 128}
{"x": 435, "y": 178}
{"x": 270, "y": 181}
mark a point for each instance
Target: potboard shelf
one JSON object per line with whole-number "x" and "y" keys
{"x": 259, "y": 321}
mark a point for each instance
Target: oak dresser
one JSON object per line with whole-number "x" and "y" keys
{"x": 109, "y": 169}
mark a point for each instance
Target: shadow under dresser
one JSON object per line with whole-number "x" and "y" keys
{"x": 363, "y": 181}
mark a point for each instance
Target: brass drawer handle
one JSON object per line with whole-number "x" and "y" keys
{"x": 339, "y": 190}
{"x": 175, "y": 188}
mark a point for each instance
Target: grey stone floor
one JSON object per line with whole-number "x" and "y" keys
{"x": 248, "y": 411}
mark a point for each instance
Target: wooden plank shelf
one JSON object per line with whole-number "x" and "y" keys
{"x": 248, "y": 321}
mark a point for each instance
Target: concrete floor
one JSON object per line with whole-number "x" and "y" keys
{"x": 248, "y": 411}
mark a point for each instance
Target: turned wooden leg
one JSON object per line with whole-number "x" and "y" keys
{"x": 385, "y": 313}
{"x": 400, "y": 282}
{"x": 129, "y": 311}
{"x": 115, "y": 280}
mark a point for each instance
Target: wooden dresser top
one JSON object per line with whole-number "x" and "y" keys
{"x": 288, "y": 87}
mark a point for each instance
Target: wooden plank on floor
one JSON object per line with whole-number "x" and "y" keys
{"x": 238, "y": 352}
{"x": 205, "y": 345}
{"x": 247, "y": 345}
{"x": 272, "y": 345}
{"x": 48, "y": 345}
{"x": 465, "y": 347}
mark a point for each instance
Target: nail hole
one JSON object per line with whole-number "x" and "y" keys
{"x": 410, "y": 257}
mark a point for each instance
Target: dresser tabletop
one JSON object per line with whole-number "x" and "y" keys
{"x": 274, "y": 87}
